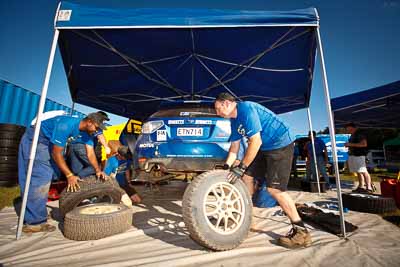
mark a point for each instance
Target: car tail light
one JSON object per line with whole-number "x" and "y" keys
{"x": 152, "y": 126}
{"x": 141, "y": 160}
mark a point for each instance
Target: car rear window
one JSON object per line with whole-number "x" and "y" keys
{"x": 193, "y": 112}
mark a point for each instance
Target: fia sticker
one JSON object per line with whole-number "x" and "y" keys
{"x": 64, "y": 15}
{"x": 162, "y": 135}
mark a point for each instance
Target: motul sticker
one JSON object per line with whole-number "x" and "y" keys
{"x": 64, "y": 15}
{"x": 146, "y": 145}
{"x": 162, "y": 135}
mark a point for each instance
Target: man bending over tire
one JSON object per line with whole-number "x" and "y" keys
{"x": 269, "y": 154}
{"x": 53, "y": 136}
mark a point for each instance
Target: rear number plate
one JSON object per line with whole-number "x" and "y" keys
{"x": 190, "y": 132}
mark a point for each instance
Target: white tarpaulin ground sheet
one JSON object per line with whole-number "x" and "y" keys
{"x": 158, "y": 238}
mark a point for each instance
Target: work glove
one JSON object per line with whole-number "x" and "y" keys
{"x": 236, "y": 173}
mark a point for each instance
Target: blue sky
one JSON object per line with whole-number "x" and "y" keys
{"x": 360, "y": 40}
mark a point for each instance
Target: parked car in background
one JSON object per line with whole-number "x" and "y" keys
{"x": 375, "y": 158}
{"x": 342, "y": 151}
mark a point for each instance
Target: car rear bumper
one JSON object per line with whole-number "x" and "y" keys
{"x": 181, "y": 164}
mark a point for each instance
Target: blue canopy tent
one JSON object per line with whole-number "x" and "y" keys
{"x": 133, "y": 59}
{"x": 374, "y": 108}
{"x": 126, "y": 61}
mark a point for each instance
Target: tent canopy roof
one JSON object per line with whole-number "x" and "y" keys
{"x": 374, "y": 108}
{"x": 126, "y": 61}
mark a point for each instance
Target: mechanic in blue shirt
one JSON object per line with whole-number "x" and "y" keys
{"x": 79, "y": 152}
{"x": 53, "y": 136}
{"x": 269, "y": 154}
{"x": 119, "y": 166}
{"x": 321, "y": 154}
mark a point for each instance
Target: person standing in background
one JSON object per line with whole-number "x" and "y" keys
{"x": 358, "y": 149}
{"x": 321, "y": 154}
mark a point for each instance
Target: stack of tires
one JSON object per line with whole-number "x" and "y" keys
{"x": 10, "y": 136}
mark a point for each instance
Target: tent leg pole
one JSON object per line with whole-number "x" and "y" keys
{"x": 331, "y": 131}
{"x": 36, "y": 133}
{"x": 313, "y": 150}
{"x": 72, "y": 108}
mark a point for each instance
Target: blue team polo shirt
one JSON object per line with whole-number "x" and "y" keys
{"x": 254, "y": 118}
{"x": 319, "y": 147}
{"x": 113, "y": 165}
{"x": 61, "y": 128}
{"x": 83, "y": 139}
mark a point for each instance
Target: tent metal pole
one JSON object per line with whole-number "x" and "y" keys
{"x": 331, "y": 131}
{"x": 36, "y": 133}
{"x": 72, "y": 108}
{"x": 313, "y": 150}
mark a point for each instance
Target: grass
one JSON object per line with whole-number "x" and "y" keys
{"x": 7, "y": 196}
{"x": 374, "y": 176}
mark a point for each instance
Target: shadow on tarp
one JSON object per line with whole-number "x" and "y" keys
{"x": 162, "y": 218}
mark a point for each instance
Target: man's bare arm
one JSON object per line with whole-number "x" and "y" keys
{"x": 103, "y": 142}
{"x": 255, "y": 143}
{"x": 93, "y": 161}
{"x": 57, "y": 154}
{"x": 362, "y": 143}
{"x": 233, "y": 150}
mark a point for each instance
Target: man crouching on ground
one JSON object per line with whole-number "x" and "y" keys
{"x": 53, "y": 136}
{"x": 269, "y": 154}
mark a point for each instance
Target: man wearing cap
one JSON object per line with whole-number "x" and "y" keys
{"x": 269, "y": 154}
{"x": 81, "y": 155}
{"x": 53, "y": 136}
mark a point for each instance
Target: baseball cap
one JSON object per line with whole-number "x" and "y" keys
{"x": 98, "y": 118}
{"x": 106, "y": 118}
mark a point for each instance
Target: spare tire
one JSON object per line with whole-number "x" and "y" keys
{"x": 10, "y": 136}
{"x": 9, "y": 151}
{"x": 369, "y": 203}
{"x": 6, "y": 127}
{"x": 216, "y": 213}
{"x": 92, "y": 190}
{"x": 97, "y": 221}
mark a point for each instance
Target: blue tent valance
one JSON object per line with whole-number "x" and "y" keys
{"x": 128, "y": 61}
{"x": 374, "y": 108}
{"x": 78, "y": 16}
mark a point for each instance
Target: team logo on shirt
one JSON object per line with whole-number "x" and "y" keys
{"x": 121, "y": 168}
{"x": 73, "y": 138}
{"x": 241, "y": 130}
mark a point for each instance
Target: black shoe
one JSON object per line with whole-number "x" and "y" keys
{"x": 369, "y": 191}
{"x": 357, "y": 190}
